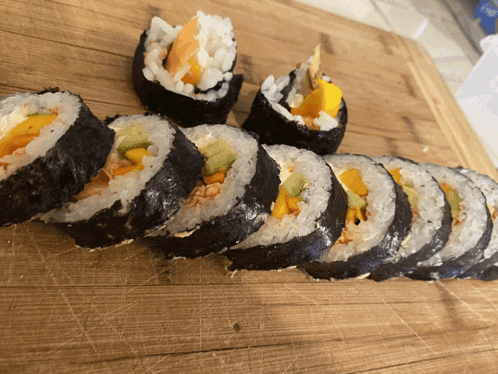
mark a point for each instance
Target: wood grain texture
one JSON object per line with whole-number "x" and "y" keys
{"x": 127, "y": 309}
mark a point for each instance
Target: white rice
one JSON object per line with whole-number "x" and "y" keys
{"x": 272, "y": 90}
{"x": 123, "y": 187}
{"x": 315, "y": 197}
{"x": 14, "y": 110}
{"x": 430, "y": 205}
{"x": 381, "y": 200}
{"x": 473, "y": 215}
{"x": 234, "y": 186}
{"x": 490, "y": 189}
{"x": 216, "y": 56}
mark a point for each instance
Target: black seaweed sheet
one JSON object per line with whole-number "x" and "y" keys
{"x": 299, "y": 250}
{"x": 456, "y": 267}
{"x": 408, "y": 264}
{"x": 51, "y": 180}
{"x": 273, "y": 128}
{"x": 152, "y": 208}
{"x": 369, "y": 260}
{"x": 236, "y": 224}
{"x": 480, "y": 270}
{"x": 183, "y": 110}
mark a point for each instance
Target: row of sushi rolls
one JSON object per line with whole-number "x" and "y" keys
{"x": 269, "y": 195}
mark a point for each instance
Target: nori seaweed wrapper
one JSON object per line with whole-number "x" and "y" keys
{"x": 457, "y": 266}
{"x": 236, "y": 224}
{"x": 51, "y": 180}
{"x": 369, "y": 260}
{"x": 299, "y": 250}
{"x": 183, "y": 110}
{"x": 408, "y": 264}
{"x": 154, "y": 206}
{"x": 489, "y": 188}
{"x": 490, "y": 274}
{"x": 274, "y": 128}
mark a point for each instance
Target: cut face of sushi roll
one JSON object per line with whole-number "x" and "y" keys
{"x": 152, "y": 167}
{"x": 307, "y": 217}
{"x": 186, "y": 73}
{"x": 471, "y": 227}
{"x": 51, "y": 145}
{"x": 490, "y": 256}
{"x": 302, "y": 109}
{"x": 232, "y": 199}
{"x": 431, "y": 217}
{"x": 377, "y": 221}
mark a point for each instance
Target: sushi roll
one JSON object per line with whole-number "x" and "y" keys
{"x": 490, "y": 256}
{"x": 470, "y": 232}
{"x": 51, "y": 145}
{"x": 377, "y": 221}
{"x": 302, "y": 109}
{"x": 431, "y": 217}
{"x": 231, "y": 200}
{"x": 186, "y": 73}
{"x": 306, "y": 219}
{"x": 151, "y": 168}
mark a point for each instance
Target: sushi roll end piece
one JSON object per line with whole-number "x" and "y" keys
{"x": 303, "y": 109}
{"x": 67, "y": 149}
{"x": 207, "y": 91}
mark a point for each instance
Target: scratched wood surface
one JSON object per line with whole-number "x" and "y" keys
{"x": 126, "y": 309}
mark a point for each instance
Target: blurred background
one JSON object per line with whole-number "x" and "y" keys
{"x": 458, "y": 35}
{"x": 448, "y": 29}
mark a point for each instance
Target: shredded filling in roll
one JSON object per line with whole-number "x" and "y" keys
{"x": 219, "y": 159}
{"x": 132, "y": 146}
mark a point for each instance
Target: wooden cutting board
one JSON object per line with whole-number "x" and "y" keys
{"x": 127, "y": 309}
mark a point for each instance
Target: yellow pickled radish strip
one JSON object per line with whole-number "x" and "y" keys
{"x": 22, "y": 140}
{"x": 33, "y": 124}
{"x": 17, "y": 137}
{"x": 135, "y": 155}
{"x": 280, "y": 208}
{"x": 309, "y": 107}
{"x": 219, "y": 177}
{"x": 193, "y": 74}
{"x": 326, "y": 97}
{"x": 352, "y": 179}
{"x": 331, "y": 97}
{"x": 355, "y": 213}
{"x": 183, "y": 48}
{"x": 396, "y": 175}
{"x": 351, "y": 215}
{"x": 292, "y": 202}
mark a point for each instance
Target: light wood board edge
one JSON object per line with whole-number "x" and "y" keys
{"x": 446, "y": 110}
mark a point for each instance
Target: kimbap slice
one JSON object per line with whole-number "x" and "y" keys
{"x": 470, "y": 232}
{"x": 307, "y": 216}
{"x": 377, "y": 221}
{"x": 51, "y": 145}
{"x": 490, "y": 257}
{"x": 232, "y": 199}
{"x": 303, "y": 109}
{"x": 186, "y": 73}
{"x": 431, "y": 217}
{"x": 151, "y": 168}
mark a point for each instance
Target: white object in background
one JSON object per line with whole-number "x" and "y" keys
{"x": 478, "y": 97}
